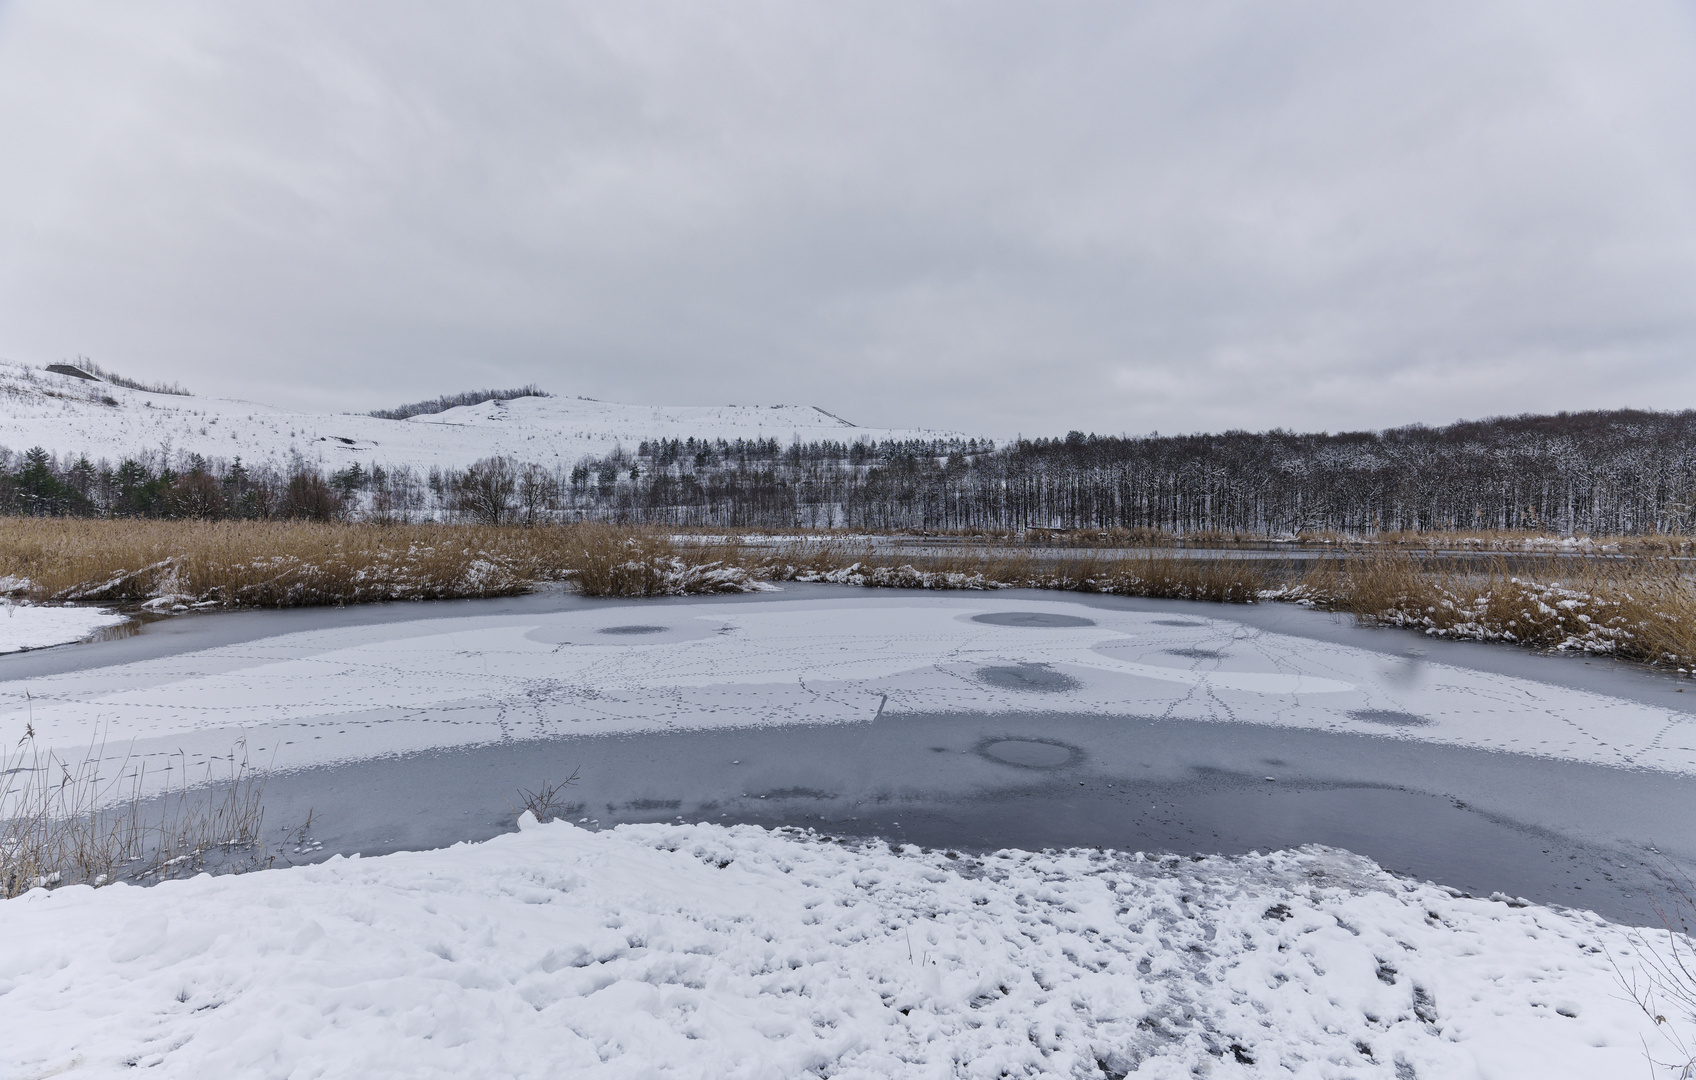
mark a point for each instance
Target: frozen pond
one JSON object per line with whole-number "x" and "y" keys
{"x": 947, "y": 719}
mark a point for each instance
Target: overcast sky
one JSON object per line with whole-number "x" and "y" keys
{"x": 995, "y": 217}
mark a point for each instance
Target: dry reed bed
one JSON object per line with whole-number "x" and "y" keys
{"x": 1641, "y": 606}
{"x": 286, "y": 564}
{"x": 276, "y": 564}
{"x": 64, "y": 822}
{"x": 1150, "y": 572}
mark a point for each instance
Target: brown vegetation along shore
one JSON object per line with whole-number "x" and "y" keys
{"x": 289, "y": 564}
{"x": 1638, "y": 608}
{"x": 273, "y": 564}
{"x": 1639, "y": 605}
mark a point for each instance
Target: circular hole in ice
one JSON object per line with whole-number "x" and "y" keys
{"x": 1030, "y": 618}
{"x": 1031, "y": 753}
{"x": 1176, "y": 622}
{"x": 1029, "y": 678}
{"x": 1196, "y": 654}
{"x": 634, "y": 629}
{"x": 1389, "y": 716}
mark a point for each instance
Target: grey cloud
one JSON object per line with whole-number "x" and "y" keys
{"x": 992, "y": 217}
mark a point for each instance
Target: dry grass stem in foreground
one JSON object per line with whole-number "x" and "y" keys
{"x": 1663, "y": 980}
{"x": 545, "y": 798}
{"x": 64, "y": 822}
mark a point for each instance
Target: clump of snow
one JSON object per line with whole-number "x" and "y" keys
{"x": 703, "y": 951}
{"x": 1582, "y": 621}
{"x": 892, "y": 577}
{"x": 668, "y": 575}
{"x": 1532, "y": 543}
{"x": 31, "y": 626}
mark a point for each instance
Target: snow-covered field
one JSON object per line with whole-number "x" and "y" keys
{"x": 699, "y": 951}
{"x": 28, "y": 626}
{"x": 351, "y": 693}
{"x": 67, "y": 415}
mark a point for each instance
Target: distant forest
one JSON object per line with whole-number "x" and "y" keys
{"x": 1624, "y": 471}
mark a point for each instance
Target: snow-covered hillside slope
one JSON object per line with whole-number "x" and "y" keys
{"x": 68, "y": 415}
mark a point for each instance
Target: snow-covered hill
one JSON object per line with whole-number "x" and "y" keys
{"x": 69, "y": 415}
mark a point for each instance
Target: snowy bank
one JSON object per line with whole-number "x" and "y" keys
{"x": 26, "y": 626}
{"x": 701, "y": 951}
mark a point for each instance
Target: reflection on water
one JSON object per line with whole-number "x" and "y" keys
{"x": 127, "y": 629}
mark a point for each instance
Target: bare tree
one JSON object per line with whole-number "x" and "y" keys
{"x": 485, "y": 491}
{"x": 307, "y": 496}
{"x": 538, "y": 490}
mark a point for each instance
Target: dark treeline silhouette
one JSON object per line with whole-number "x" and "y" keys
{"x": 1625, "y": 471}
{"x": 1622, "y": 472}
{"x": 36, "y": 483}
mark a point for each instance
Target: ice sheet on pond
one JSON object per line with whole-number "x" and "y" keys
{"x": 348, "y": 693}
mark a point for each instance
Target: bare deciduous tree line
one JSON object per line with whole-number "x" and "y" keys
{"x": 1621, "y": 472}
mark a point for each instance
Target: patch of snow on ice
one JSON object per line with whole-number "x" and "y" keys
{"x": 30, "y": 626}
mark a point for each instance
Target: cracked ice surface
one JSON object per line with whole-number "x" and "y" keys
{"x": 349, "y": 693}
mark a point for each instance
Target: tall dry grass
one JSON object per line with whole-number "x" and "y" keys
{"x": 1640, "y": 605}
{"x": 1526, "y": 541}
{"x": 70, "y": 820}
{"x": 1640, "y": 608}
{"x": 605, "y": 560}
{"x": 1148, "y": 572}
{"x": 1660, "y": 976}
{"x": 277, "y": 564}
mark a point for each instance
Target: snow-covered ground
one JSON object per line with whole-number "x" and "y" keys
{"x": 67, "y": 415}
{"x": 704, "y": 951}
{"x": 701, "y": 951}
{"x": 351, "y": 693}
{"x": 28, "y": 626}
